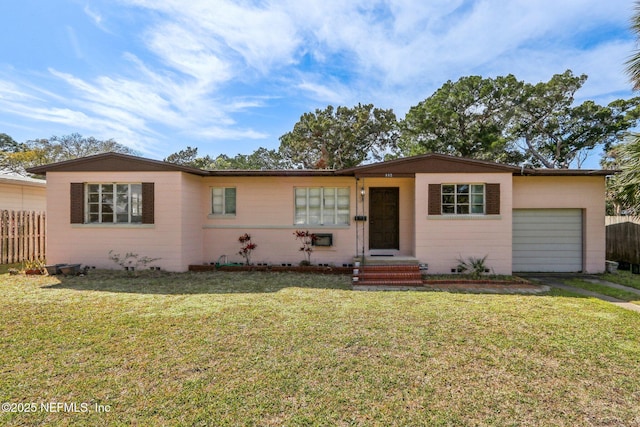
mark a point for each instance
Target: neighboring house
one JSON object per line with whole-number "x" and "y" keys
{"x": 19, "y": 193}
{"x": 433, "y": 208}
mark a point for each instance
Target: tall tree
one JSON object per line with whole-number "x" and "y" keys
{"x": 8, "y": 144}
{"x": 553, "y": 132}
{"x": 73, "y": 146}
{"x": 614, "y": 159}
{"x": 467, "y": 118}
{"x": 633, "y": 64}
{"x": 625, "y": 187}
{"x": 55, "y": 149}
{"x": 623, "y": 190}
{"x": 510, "y": 121}
{"x": 336, "y": 138}
{"x": 189, "y": 157}
{"x": 262, "y": 158}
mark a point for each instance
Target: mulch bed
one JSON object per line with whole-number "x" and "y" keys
{"x": 515, "y": 284}
{"x": 313, "y": 269}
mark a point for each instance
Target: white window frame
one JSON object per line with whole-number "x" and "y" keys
{"x": 225, "y": 202}
{"x": 133, "y": 203}
{"x": 329, "y": 215}
{"x": 458, "y": 195}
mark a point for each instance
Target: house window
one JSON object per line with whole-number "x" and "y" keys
{"x": 322, "y": 206}
{"x": 463, "y": 199}
{"x": 223, "y": 201}
{"x": 113, "y": 203}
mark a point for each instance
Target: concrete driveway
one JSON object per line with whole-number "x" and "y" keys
{"x": 555, "y": 280}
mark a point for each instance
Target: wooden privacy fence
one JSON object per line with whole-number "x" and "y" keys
{"x": 22, "y": 236}
{"x": 609, "y": 220}
{"x": 623, "y": 242}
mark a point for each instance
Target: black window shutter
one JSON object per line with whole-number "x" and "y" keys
{"x": 77, "y": 203}
{"x": 434, "y": 200}
{"x": 148, "y": 203}
{"x": 493, "y": 199}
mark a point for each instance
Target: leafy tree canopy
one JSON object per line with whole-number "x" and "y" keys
{"x": 9, "y": 145}
{"x": 337, "y": 138}
{"x": 623, "y": 189}
{"x": 55, "y": 149}
{"x": 262, "y": 158}
{"x": 189, "y": 157}
{"x": 511, "y": 121}
{"x": 554, "y": 132}
{"x": 467, "y": 118}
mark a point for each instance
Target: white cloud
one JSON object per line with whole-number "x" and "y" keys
{"x": 226, "y": 133}
{"x": 206, "y": 63}
{"x": 95, "y": 16}
{"x": 322, "y": 93}
{"x": 190, "y": 53}
{"x": 9, "y": 91}
{"x": 262, "y": 37}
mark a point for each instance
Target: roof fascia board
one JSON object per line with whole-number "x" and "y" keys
{"x": 113, "y": 162}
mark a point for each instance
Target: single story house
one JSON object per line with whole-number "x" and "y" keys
{"x": 434, "y": 208}
{"x": 20, "y": 193}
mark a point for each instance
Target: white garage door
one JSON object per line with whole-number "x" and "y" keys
{"x": 547, "y": 240}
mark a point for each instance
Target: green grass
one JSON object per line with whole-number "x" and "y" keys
{"x": 4, "y": 268}
{"x": 623, "y": 277}
{"x": 604, "y": 290}
{"x": 288, "y": 349}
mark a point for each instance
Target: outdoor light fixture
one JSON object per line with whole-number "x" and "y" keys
{"x": 362, "y": 193}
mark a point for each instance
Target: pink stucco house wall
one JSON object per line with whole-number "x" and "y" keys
{"x": 433, "y": 208}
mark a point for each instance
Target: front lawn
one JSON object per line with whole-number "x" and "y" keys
{"x": 623, "y": 277}
{"x": 289, "y": 349}
{"x": 620, "y": 294}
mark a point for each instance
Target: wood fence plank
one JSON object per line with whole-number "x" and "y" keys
{"x": 623, "y": 242}
{"x": 4, "y": 217}
{"x": 22, "y": 236}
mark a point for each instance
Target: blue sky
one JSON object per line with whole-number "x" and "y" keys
{"x": 231, "y": 76}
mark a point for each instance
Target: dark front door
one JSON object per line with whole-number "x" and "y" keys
{"x": 384, "y": 222}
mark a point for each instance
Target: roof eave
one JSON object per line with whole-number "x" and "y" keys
{"x": 27, "y": 183}
{"x": 565, "y": 172}
{"x": 70, "y": 164}
{"x": 272, "y": 172}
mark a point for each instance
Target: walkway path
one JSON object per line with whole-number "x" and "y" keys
{"x": 556, "y": 281}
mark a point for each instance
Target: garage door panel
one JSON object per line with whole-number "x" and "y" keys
{"x": 558, "y": 235}
{"x": 545, "y": 226}
{"x": 563, "y": 250}
{"x": 567, "y": 213}
{"x": 548, "y": 266}
{"x": 547, "y": 240}
{"x": 555, "y": 225}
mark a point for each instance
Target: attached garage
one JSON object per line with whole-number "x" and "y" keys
{"x": 547, "y": 240}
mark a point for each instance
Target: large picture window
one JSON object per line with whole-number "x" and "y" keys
{"x": 463, "y": 199}
{"x": 322, "y": 206}
{"x": 223, "y": 201}
{"x": 113, "y": 203}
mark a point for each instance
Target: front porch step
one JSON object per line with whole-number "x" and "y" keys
{"x": 387, "y": 260}
{"x": 387, "y": 275}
